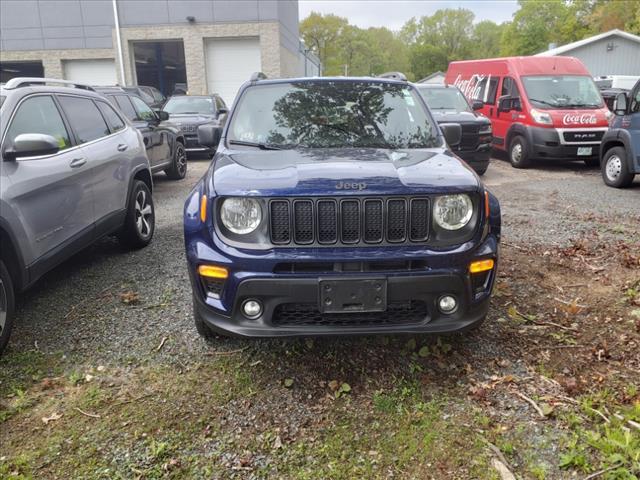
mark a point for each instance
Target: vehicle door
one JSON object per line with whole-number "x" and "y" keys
{"x": 634, "y": 122}
{"x": 159, "y": 135}
{"x": 502, "y": 121}
{"x": 53, "y": 193}
{"x": 124, "y": 103}
{"x": 105, "y": 150}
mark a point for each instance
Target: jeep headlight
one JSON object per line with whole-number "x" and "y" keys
{"x": 452, "y": 212}
{"x": 240, "y": 215}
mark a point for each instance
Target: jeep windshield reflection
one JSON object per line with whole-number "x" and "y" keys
{"x": 329, "y": 114}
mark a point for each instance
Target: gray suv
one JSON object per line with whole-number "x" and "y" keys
{"x": 72, "y": 170}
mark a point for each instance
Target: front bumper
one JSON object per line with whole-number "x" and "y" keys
{"x": 192, "y": 145}
{"x": 443, "y": 274}
{"x": 546, "y": 143}
{"x": 477, "y": 159}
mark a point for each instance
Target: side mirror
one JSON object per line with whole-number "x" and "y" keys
{"x": 620, "y": 104}
{"x": 477, "y": 105}
{"x": 452, "y": 133}
{"x": 222, "y": 111}
{"x": 162, "y": 115}
{"x": 504, "y": 104}
{"x": 209, "y": 135}
{"x": 31, "y": 145}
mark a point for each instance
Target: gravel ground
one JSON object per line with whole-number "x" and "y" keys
{"x": 78, "y": 308}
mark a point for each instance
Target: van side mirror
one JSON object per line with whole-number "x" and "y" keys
{"x": 162, "y": 115}
{"x": 504, "y": 104}
{"x": 31, "y": 145}
{"x": 209, "y": 135}
{"x": 452, "y": 133}
{"x": 477, "y": 105}
{"x": 620, "y": 104}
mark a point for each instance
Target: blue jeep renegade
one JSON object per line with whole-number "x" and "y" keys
{"x": 335, "y": 206}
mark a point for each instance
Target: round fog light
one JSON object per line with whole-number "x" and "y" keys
{"x": 252, "y": 308}
{"x": 447, "y": 304}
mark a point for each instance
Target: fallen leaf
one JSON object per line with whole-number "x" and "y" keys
{"x": 129, "y": 297}
{"x": 54, "y": 416}
{"x": 288, "y": 382}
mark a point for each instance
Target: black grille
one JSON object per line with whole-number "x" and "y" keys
{"x": 583, "y": 136}
{"x": 470, "y": 137}
{"x": 280, "y": 224}
{"x": 397, "y": 313}
{"x": 349, "y": 221}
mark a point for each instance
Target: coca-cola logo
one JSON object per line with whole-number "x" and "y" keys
{"x": 583, "y": 119}
{"x": 471, "y": 88}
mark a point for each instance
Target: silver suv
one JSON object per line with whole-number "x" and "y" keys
{"x": 72, "y": 170}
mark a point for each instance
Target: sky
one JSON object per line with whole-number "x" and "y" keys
{"x": 394, "y": 13}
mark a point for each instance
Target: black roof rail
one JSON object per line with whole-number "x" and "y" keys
{"x": 18, "y": 82}
{"x": 394, "y": 76}
{"x": 257, "y": 76}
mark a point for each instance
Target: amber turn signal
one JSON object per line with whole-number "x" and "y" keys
{"x": 212, "y": 271}
{"x": 203, "y": 208}
{"x": 481, "y": 265}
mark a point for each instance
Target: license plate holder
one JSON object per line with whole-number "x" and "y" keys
{"x": 585, "y": 151}
{"x": 352, "y": 296}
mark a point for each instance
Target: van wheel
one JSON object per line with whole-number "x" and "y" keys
{"x": 178, "y": 168}
{"x": 140, "y": 222}
{"x": 615, "y": 168}
{"x": 519, "y": 152}
{"x": 7, "y": 306}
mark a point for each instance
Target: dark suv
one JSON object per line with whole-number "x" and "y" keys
{"x": 620, "y": 150}
{"x": 164, "y": 141}
{"x": 190, "y": 111}
{"x": 448, "y": 105}
{"x": 72, "y": 170}
{"x": 334, "y": 206}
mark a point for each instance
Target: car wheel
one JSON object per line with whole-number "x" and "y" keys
{"x": 481, "y": 171}
{"x": 7, "y": 306}
{"x": 592, "y": 162}
{"x": 201, "y": 326}
{"x": 139, "y": 223}
{"x": 178, "y": 168}
{"x": 614, "y": 167}
{"x": 519, "y": 152}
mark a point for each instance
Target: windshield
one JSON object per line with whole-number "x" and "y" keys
{"x": 444, "y": 99}
{"x": 566, "y": 91}
{"x": 325, "y": 114}
{"x": 184, "y": 104}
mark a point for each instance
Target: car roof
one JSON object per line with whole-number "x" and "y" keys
{"x": 435, "y": 86}
{"x": 269, "y": 81}
{"x": 26, "y": 90}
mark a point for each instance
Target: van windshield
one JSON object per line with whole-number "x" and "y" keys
{"x": 329, "y": 114}
{"x": 562, "y": 91}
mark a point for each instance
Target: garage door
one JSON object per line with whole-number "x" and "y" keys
{"x": 91, "y": 72}
{"x": 230, "y": 63}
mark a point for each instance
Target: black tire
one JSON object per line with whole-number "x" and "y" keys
{"x": 615, "y": 168}
{"x": 178, "y": 168}
{"x": 482, "y": 171}
{"x": 519, "y": 152}
{"x": 201, "y": 326}
{"x": 7, "y": 306}
{"x": 140, "y": 221}
{"x": 592, "y": 162}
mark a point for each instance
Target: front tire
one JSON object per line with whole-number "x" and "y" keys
{"x": 7, "y": 306}
{"x": 201, "y": 326}
{"x": 140, "y": 221}
{"x": 178, "y": 168}
{"x": 615, "y": 168}
{"x": 519, "y": 152}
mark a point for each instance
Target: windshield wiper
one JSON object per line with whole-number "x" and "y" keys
{"x": 544, "y": 102}
{"x": 581, "y": 105}
{"x": 260, "y": 145}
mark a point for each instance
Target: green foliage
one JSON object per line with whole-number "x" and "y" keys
{"x": 427, "y": 44}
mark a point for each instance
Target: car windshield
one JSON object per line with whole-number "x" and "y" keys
{"x": 444, "y": 99}
{"x": 184, "y": 104}
{"x": 564, "y": 91}
{"x": 329, "y": 114}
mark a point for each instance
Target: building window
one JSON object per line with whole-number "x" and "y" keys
{"x": 9, "y": 70}
{"x": 160, "y": 64}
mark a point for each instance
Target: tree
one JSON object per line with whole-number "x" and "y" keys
{"x": 321, "y": 34}
{"x": 485, "y": 39}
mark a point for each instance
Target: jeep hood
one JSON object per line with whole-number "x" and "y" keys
{"x": 340, "y": 172}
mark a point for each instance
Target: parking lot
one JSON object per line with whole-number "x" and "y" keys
{"x": 106, "y": 376}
